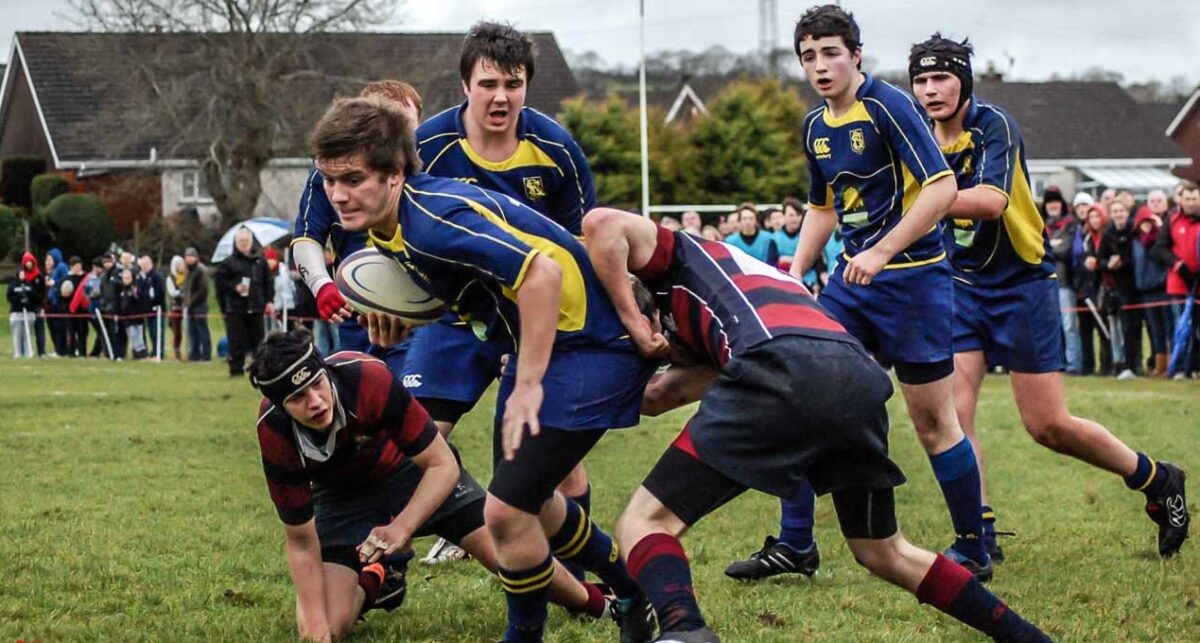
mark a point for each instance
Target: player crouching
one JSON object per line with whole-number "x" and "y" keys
{"x": 758, "y": 340}
{"x": 356, "y": 470}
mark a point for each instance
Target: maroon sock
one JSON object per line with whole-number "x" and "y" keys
{"x": 952, "y": 589}
{"x": 595, "y": 604}
{"x": 369, "y": 579}
{"x": 660, "y": 566}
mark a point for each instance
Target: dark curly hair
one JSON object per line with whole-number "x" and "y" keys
{"x": 828, "y": 20}
{"x": 500, "y": 43}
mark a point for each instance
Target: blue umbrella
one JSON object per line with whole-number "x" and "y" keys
{"x": 1181, "y": 351}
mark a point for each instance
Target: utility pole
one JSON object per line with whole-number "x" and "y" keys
{"x": 768, "y": 32}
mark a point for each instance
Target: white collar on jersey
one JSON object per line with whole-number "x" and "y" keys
{"x": 308, "y": 440}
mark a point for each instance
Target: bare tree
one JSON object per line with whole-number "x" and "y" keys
{"x": 224, "y": 82}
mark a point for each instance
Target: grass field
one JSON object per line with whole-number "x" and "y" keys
{"x": 133, "y": 508}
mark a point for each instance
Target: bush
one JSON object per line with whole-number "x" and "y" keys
{"x": 18, "y": 173}
{"x": 9, "y": 227}
{"x": 80, "y": 224}
{"x": 44, "y": 188}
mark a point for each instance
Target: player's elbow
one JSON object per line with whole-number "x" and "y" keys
{"x": 545, "y": 275}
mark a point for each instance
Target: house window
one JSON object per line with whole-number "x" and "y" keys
{"x": 195, "y": 187}
{"x": 1038, "y": 183}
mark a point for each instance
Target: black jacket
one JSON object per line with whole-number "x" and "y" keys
{"x": 129, "y": 304}
{"x": 110, "y": 289}
{"x": 26, "y": 295}
{"x": 1119, "y": 242}
{"x": 232, "y": 271}
{"x": 1062, "y": 230}
{"x": 153, "y": 289}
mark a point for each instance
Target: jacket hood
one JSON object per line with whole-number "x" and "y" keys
{"x": 57, "y": 254}
{"x": 27, "y": 259}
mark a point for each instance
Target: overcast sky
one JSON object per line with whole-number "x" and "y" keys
{"x": 1143, "y": 40}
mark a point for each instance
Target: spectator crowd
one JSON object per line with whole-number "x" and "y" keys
{"x": 128, "y": 309}
{"x": 1125, "y": 270}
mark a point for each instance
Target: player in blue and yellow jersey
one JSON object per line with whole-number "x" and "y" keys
{"x": 876, "y": 173}
{"x": 574, "y": 373}
{"x": 744, "y": 338}
{"x": 494, "y": 141}
{"x": 1005, "y": 291}
{"x": 317, "y": 224}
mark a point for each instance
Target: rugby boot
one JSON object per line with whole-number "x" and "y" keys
{"x": 635, "y": 617}
{"x": 775, "y": 558}
{"x": 1169, "y": 511}
{"x": 394, "y": 587}
{"x": 983, "y": 573}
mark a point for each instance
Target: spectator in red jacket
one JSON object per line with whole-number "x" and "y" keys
{"x": 1178, "y": 246}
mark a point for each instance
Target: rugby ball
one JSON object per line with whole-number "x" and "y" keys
{"x": 374, "y": 283}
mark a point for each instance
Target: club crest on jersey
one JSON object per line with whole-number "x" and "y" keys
{"x": 966, "y": 165}
{"x": 534, "y": 188}
{"x": 858, "y": 140}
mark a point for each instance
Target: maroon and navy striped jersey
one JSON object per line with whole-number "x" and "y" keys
{"x": 724, "y": 302}
{"x": 376, "y": 425}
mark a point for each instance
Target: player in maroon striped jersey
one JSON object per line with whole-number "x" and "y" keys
{"x": 787, "y": 394}
{"x": 356, "y": 470}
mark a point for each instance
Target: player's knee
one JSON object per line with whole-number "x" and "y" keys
{"x": 500, "y": 517}
{"x": 1048, "y": 431}
{"x": 879, "y": 557}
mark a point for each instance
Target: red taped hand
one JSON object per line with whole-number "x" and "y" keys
{"x": 330, "y": 302}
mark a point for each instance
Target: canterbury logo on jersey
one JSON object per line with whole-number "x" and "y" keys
{"x": 411, "y": 381}
{"x": 821, "y": 147}
{"x": 466, "y": 179}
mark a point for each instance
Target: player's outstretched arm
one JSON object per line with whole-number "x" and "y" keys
{"x": 310, "y": 262}
{"x": 980, "y": 203}
{"x": 439, "y": 475}
{"x": 537, "y": 304}
{"x": 619, "y": 242}
{"x": 819, "y": 223}
{"x": 304, "y": 562}
{"x": 931, "y": 205}
{"x": 675, "y": 387}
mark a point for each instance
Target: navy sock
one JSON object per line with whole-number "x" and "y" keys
{"x": 661, "y": 568}
{"x": 579, "y": 540}
{"x": 955, "y": 591}
{"x": 958, "y": 473}
{"x": 796, "y": 519}
{"x": 1148, "y": 477}
{"x": 584, "y": 500}
{"x": 527, "y": 592}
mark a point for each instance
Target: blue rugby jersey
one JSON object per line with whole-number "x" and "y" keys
{"x": 870, "y": 164}
{"x": 317, "y": 220}
{"x": 470, "y": 247}
{"x": 548, "y": 172}
{"x": 724, "y": 302}
{"x": 1014, "y": 248}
